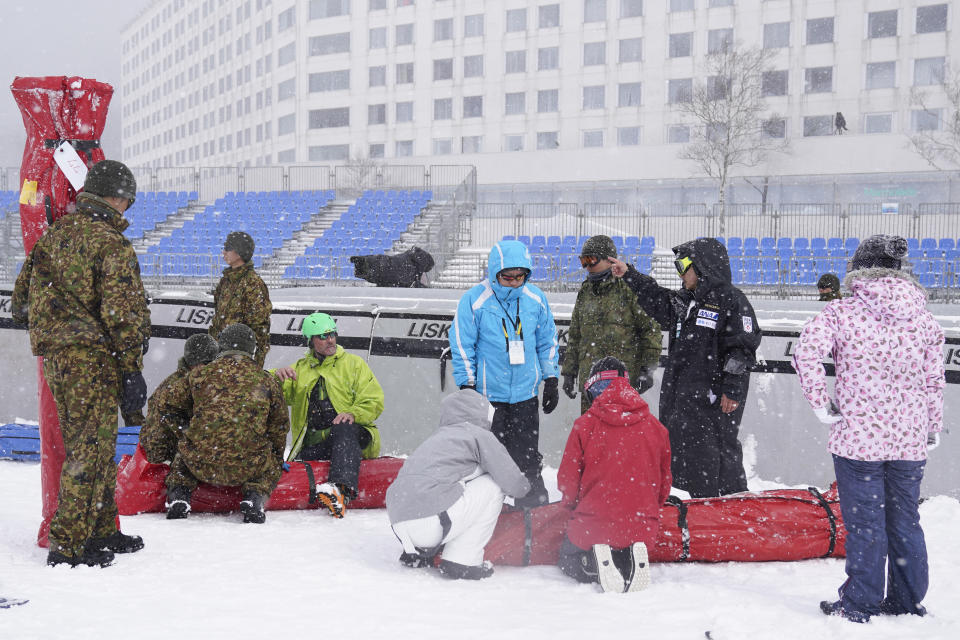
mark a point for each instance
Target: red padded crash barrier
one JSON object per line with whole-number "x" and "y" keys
{"x": 140, "y": 487}
{"x": 54, "y": 108}
{"x": 785, "y": 524}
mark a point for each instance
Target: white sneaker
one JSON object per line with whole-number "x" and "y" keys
{"x": 639, "y": 578}
{"x": 610, "y": 578}
{"x": 329, "y": 496}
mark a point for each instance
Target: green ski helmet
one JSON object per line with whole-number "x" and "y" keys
{"x": 317, "y": 324}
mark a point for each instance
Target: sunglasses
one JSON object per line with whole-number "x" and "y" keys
{"x": 589, "y": 261}
{"x": 515, "y": 277}
{"x": 325, "y": 336}
{"x": 682, "y": 264}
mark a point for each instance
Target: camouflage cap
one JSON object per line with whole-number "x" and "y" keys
{"x": 600, "y": 246}
{"x": 238, "y": 337}
{"x": 200, "y": 348}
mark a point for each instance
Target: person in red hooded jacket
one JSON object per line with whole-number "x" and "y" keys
{"x": 614, "y": 476}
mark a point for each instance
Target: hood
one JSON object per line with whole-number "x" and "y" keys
{"x": 97, "y": 208}
{"x": 619, "y": 405}
{"x": 888, "y": 293}
{"x": 710, "y": 260}
{"x": 420, "y": 259}
{"x": 466, "y": 407}
{"x": 507, "y": 254}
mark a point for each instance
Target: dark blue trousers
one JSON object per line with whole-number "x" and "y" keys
{"x": 879, "y": 502}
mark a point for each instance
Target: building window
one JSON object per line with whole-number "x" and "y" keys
{"x": 678, "y": 134}
{"x": 631, "y": 8}
{"x": 679, "y": 90}
{"x": 548, "y": 101}
{"x": 443, "y": 29}
{"x": 720, "y": 3}
{"x": 286, "y": 54}
{"x": 471, "y": 144}
{"x": 548, "y": 16}
{"x": 443, "y": 69}
{"x": 285, "y": 90}
{"x": 593, "y": 138}
{"x": 628, "y": 136}
{"x": 286, "y": 19}
{"x": 287, "y": 155}
{"x": 473, "y": 26}
{"x": 286, "y": 124}
{"x": 718, "y": 87}
{"x": 404, "y": 148}
{"x": 404, "y": 112}
{"x": 513, "y": 143}
{"x": 326, "y": 45}
{"x": 776, "y": 35}
{"x": 594, "y": 10}
{"x": 329, "y": 118}
{"x": 515, "y": 103}
{"x": 473, "y": 106}
{"x": 376, "y": 114}
{"x": 631, "y": 50}
{"x": 442, "y": 146}
{"x": 548, "y": 139}
{"x": 405, "y": 73}
{"x": 443, "y": 109}
{"x": 932, "y": 18}
{"x": 878, "y": 123}
{"x": 548, "y": 58}
{"x": 378, "y": 76}
{"x": 681, "y": 45}
{"x": 881, "y": 75}
{"x": 817, "y": 126}
{"x": 516, "y": 61}
{"x": 927, "y": 71}
{"x": 628, "y": 94}
{"x": 594, "y": 97}
{"x": 773, "y": 83}
{"x": 329, "y": 8}
{"x": 403, "y": 34}
{"x": 473, "y": 66}
{"x": 330, "y": 152}
{"x": 377, "y": 5}
{"x": 329, "y": 81}
{"x": 681, "y": 5}
{"x": 516, "y": 20}
{"x": 774, "y": 128}
{"x": 926, "y": 119}
{"x": 818, "y": 80}
{"x": 882, "y": 24}
{"x": 820, "y": 30}
{"x": 378, "y": 38}
{"x": 404, "y": 3}
{"x": 594, "y": 53}
{"x": 376, "y": 150}
{"x": 719, "y": 40}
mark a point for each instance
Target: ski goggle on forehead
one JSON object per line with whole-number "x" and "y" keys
{"x": 682, "y": 264}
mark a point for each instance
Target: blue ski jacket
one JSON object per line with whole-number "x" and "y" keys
{"x": 490, "y": 316}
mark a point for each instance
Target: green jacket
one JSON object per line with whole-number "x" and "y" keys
{"x": 608, "y": 321}
{"x": 242, "y": 297}
{"x": 351, "y": 386}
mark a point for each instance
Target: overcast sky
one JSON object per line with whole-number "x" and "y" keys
{"x": 61, "y": 38}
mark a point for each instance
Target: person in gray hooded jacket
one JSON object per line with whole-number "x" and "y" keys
{"x": 450, "y": 491}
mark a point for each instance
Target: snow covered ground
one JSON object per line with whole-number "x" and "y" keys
{"x": 303, "y": 572}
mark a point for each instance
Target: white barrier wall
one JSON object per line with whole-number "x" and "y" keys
{"x": 403, "y": 334}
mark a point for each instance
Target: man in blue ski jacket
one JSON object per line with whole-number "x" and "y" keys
{"x": 504, "y": 343}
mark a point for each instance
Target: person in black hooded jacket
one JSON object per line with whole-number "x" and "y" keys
{"x": 714, "y": 336}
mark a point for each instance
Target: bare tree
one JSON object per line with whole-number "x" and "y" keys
{"x": 358, "y": 174}
{"x": 732, "y": 126}
{"x": 935, "y": 130}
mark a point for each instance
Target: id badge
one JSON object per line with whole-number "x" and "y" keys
{"x": 516, "y": 352}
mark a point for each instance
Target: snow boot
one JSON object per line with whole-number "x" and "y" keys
{"x": 252, "y": 508}
{"x": 608, "y": 575}
{"x": 90, "y": 557}
{"x": 331, "y": 496}
{"x": 457, "y": 571}
{"x": 178, "y": 503}
{"x": 117, "y": 542}
{"x": 638, "y": 575}
{"x": 836, "y": 609}
{"x": 6, "y": 603}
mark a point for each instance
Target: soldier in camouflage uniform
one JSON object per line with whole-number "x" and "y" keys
{"x": 241, "y": 297}
{"x": 608, "y": 321}
{"x": 237, "y": 431}
{"x": 81, "y": 295}
{"x": 828, "y": 286}
{"x": 160, "y": 434}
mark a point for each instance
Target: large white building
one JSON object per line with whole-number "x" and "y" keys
{"x": 526, "y": 90}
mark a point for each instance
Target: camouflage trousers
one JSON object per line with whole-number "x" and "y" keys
{"x": 261, "y": 475}
{"x": 158, "y": 441}
{"x": 85, "y": 386}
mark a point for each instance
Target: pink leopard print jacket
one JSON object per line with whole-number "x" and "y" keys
{"x": 888, "y": 351}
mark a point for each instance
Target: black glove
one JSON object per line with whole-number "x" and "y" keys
{"x": 146, "y": 346}
{"x": 134, "y": 394}
{"x": 551, "y": 395}
{"x": 570, "y": 386}
{"x": 468, "y": 386}
{"x": 644, "y": 379}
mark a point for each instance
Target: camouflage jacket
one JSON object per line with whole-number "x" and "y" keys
{"x": 80, "y": 286}
{"x": 242, "y": 297}
{"x": 160, "y": 432}
{"x": 238, "y": 421}
{"x": 608, "y": 321}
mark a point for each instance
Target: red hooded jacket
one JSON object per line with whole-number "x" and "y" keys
{"x": 615, "y": 472}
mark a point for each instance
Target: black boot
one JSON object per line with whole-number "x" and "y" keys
{"x": 117, "y": 542}
{"x": 537, "y": 496}
{"x": 178, "y": 503}
{"x": 90, "y": 557}
{"x": 457, "y": 571}
{"x": 252, "y": 508}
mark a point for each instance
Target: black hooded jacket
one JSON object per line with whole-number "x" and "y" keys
{"x": 402, "y": 270}
{"x": 713, "y": 331}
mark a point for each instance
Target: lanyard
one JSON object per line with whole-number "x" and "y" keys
{"x": 517, "y": 326}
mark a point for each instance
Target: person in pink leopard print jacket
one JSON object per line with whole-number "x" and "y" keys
{"x": 887, "y": 414}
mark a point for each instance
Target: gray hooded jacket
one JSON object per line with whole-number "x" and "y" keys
{"x": 433, "y": 477}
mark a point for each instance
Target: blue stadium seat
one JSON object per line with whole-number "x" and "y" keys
{"x": 734, "y": 242}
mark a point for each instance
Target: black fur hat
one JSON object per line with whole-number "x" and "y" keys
{"x": 879, "y": 251}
